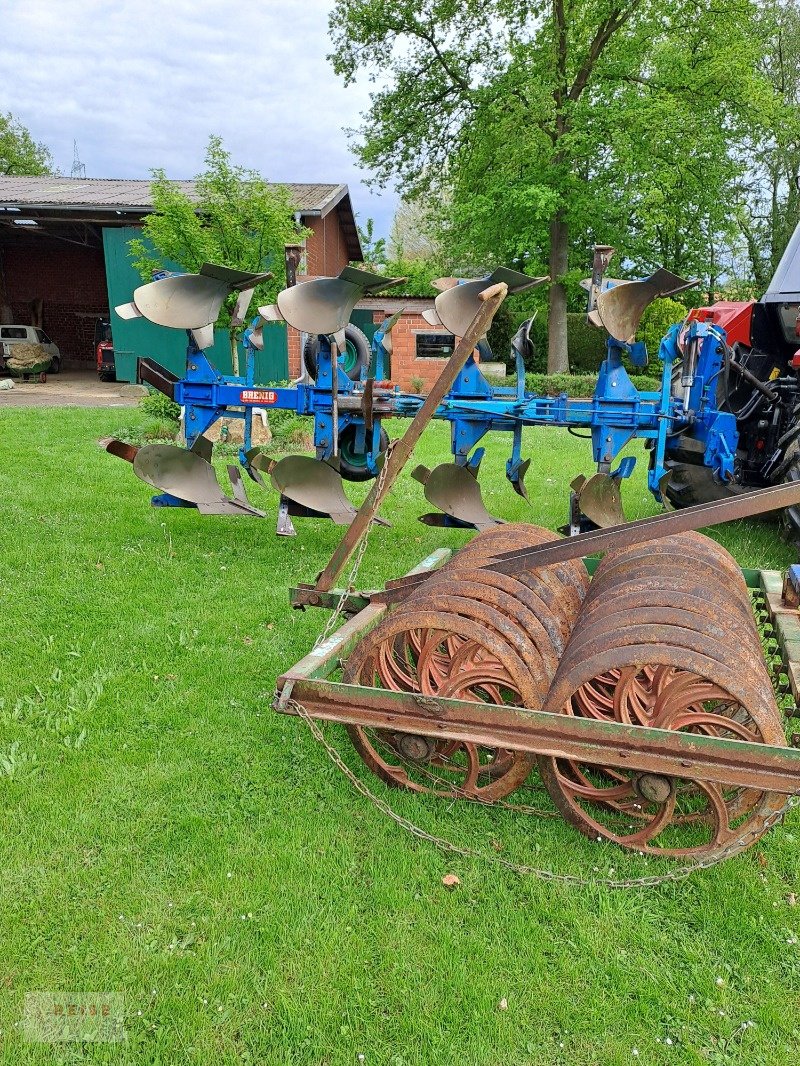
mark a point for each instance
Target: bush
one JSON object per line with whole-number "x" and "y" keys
{"x": 578, "y": 385}
{"x": 586, "y": 344}
{"x": 160, "y": 407}
{"x": 581, "y": 384}
{"x": 505, "y": 325}
{"x": 656, "y": 321}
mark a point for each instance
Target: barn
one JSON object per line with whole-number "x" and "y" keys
{"x": 64, "y": 264}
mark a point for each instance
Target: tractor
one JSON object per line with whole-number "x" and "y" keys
{"x": 757, "y": 385}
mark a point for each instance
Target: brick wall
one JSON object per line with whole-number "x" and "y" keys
{"x": 405, "y": 364}
{"x": 71, "y": 281}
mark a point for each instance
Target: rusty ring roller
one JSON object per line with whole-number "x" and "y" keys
{"x": 471, "y": 634}
{"x": 666, "y": 639}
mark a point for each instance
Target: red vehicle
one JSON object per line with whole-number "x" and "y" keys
{"x": 104, "y": 350}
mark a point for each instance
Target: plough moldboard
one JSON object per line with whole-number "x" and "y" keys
{"x": 641, "y": 695}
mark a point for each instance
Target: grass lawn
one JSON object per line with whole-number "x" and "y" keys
{"x": 168, "y": 837}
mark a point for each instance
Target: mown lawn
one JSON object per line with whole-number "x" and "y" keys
{"x": 168, "y": 837}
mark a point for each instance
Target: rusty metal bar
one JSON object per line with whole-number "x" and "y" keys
{"x": 700, "y": 516}
{"x": 400, "y": 451}
{"x": 324, "y": 658}
{"x": 684, "y": 755}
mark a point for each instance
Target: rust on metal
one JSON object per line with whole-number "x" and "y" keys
{"x": 734, "y": 762}
{"x": 687, "y": 519}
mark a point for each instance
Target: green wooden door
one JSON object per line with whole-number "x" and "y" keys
{"x": 139, "y": 339}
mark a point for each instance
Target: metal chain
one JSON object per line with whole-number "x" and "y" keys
{"x": 459, "y": 793}
{"x": 678, "y": 873}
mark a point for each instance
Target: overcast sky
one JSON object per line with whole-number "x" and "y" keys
{"x": 142, "y": 85}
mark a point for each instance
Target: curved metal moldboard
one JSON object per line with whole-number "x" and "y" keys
{"x": 457, "y": 305}
{"x": 312, "y": 484}
{"x": 599, "y": 499}
{"x": 620, "y": 308}
{"x": 323, "y": 305}
{"x": 454, "y": 490}
{"x": 179, "y": 472}
{"x": 186, "y": 301}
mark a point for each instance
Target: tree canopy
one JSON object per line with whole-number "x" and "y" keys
{"x": 539, "y": 128}
{"x": 236, "y": 219}
{"x": 19, "y": 152}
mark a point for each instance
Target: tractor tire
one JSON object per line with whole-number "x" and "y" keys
{"x": 353, "y": 464}
{"x": 691, "y": 483}
{"x": 353, "y": 360}
{"x": 791, "y": 464}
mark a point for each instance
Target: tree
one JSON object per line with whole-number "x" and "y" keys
{"x": 412, "y": 235}
{"x": 530, "y": 122}
{"x": 19, "y": 153}
{"x": 373, "y": 248}
{"x": 235, "y": 219}
{"x": 770, "y": 195}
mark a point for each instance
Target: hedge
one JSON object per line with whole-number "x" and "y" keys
{"x": 586, "y": 344}
{"x": 573, "y": 384}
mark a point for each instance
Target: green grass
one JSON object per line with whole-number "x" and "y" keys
{"x": 168, "y": 837}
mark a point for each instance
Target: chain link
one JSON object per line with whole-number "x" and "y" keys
{"x": 359, "y": 557}
{"x": 678, "y": 873}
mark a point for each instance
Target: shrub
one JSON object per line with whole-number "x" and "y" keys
{"x": 160, "y": 407}
{"x": 573, "y": 384}
{"x": 581, "y": 384}
{"x": 656, "y": 321}
{"x": 586, "y": 344}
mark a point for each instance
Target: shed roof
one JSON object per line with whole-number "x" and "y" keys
{"x": 129, "y": 194}
{"x": 108, "y": 200}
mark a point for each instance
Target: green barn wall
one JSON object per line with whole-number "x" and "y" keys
{"x": 139, "y": 339}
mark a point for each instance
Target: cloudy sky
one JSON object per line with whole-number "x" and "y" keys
{"x": 142, "y": 85}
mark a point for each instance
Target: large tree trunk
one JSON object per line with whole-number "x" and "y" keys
{"x": 557, "y": 355}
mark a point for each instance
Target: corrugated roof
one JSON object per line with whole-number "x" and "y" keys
{"x": 132, "y": 194}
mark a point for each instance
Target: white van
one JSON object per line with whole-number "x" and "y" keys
{"x": 10, "y": 335}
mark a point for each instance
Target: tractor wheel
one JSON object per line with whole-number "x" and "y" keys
{"x": 791, "y": 472}
{"x": 352, "y": 360}
{"x": 352, "y": 463}
{"x": 691, "y": 483}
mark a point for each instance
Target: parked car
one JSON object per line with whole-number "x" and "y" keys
{"x": 104, "y": 350}
{"x": 11, "y": 335}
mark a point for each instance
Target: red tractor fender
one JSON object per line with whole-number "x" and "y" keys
{"x": 734, "y": 316}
